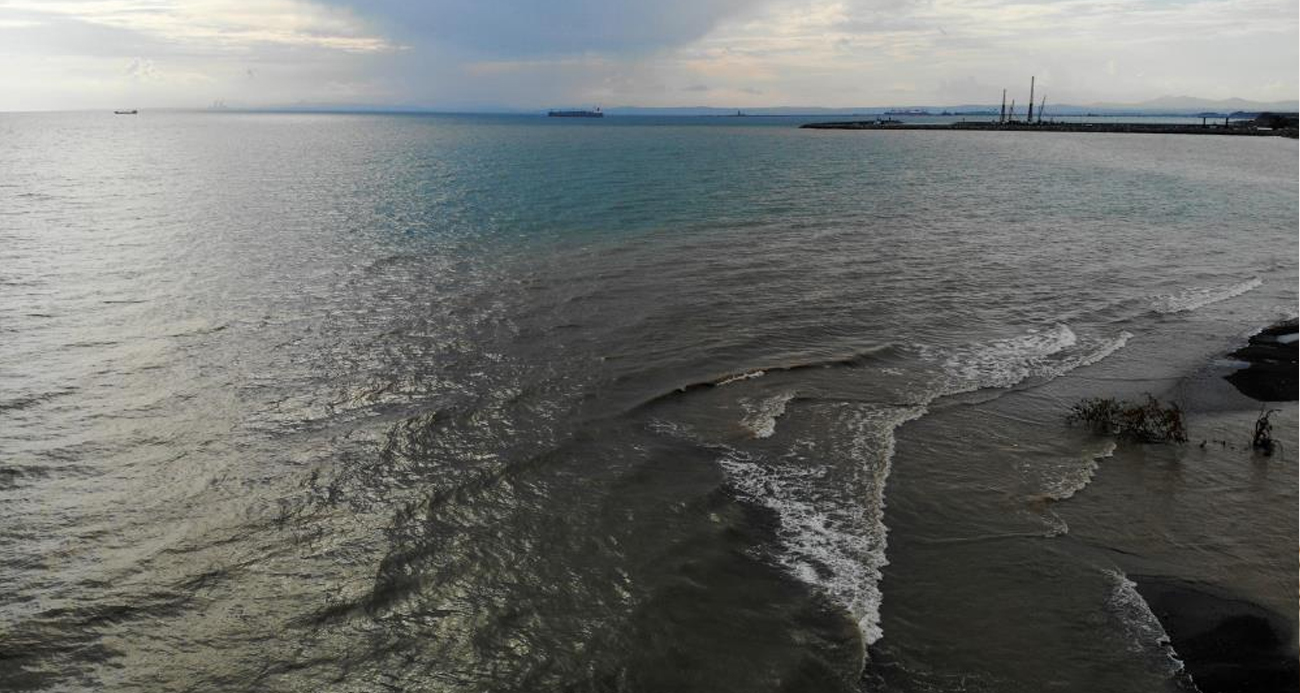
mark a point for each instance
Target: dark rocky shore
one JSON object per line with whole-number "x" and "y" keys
{"x": 1271, "y": 376}
{"x": 1147, "y": 128}
{"x": 1227, "y": 644}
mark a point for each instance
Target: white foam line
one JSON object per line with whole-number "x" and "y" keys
{"x": 1008, "y": 362}
{"x": 760, "y": 417}
{"x": 741, "y": 376}
{"x": 837, "y": 548}
{"x": 1057, "y": 525}
{"x": 1078, "y": 479}
{"x": 1201, "y": 296}
{"x": 1005, "y": 362}
{"x": 1101, "y": 352}
{"x": 1141, "y": 627}
{"x": 869, "y": 612}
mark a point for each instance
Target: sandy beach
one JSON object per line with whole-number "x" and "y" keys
{"x": 1234, "y": 640}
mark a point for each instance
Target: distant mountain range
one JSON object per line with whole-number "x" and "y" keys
{"x": 1191, "y": 103}
{"x": 1165, "y": 105}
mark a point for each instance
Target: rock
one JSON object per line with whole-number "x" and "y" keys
{"x": 1271, "y": 354}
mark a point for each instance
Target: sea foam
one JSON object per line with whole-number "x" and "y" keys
{"x": 1076, "y": 477}
{"x": 1141, "y": 628}
{"x": 761, "y": 415}
{"x": 1199, "y": 297}
{"x": 738, "y": 377}
{"x": 1004, "y": 363}
{"x": 831, "y": 527}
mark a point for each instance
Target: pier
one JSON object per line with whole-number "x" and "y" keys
{"x": 1247, "y": 128}
{"x": 1265, "y": 124}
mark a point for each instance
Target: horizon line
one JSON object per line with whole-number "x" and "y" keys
{"x": 1115, "y": 108}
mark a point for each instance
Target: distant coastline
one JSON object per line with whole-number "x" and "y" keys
{"x": 1246, "y": 128}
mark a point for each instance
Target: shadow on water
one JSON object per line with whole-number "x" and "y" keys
{"x": 618, "y": 560}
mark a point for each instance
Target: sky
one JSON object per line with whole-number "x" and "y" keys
{"x": 531, "y": 54}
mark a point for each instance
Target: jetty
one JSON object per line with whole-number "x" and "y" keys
{"x": 1246, "y": 129}
{"x": 1262, "y": 125}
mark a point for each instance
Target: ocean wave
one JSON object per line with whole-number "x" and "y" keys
{"x": 30, "y": 400}
{"x": 1281, "y": 312}
{"x": 1075, "y": 478}
{"x": 1056, "y": 525}
{"x": 1003, "y": 363}
{"x": 851, "y": 361}
{"x": 1099, "y": 351}
{"x": 1198, "y": 297}
{"x": 1141, "y": 628}
{"x": 831, "y": 528}
{"x": 748, "y": 375}
{"x": 830, "y": 516}
{"x": 760, "y": 416}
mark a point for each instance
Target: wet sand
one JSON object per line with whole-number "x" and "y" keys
{"x": 1227, "y": 643}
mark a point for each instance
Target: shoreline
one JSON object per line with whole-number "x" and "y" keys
{"x": 1227, "y": 641}
{"x": 1131, "y": 128}
{"x": 1270, "y": 358}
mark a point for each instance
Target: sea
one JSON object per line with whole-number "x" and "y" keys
{"x": 459, "y": 403}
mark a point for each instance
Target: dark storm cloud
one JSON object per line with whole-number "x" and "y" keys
{"x": 483, "y": 54}
{"x": 527, "y": 28}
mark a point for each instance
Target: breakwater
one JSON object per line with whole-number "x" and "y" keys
{"x": 1147, "y": 128}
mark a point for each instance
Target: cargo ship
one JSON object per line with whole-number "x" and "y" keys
{"x": 576, "y": 114}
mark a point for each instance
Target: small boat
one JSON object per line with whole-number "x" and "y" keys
{"x": 576, "y": 114}
{"x": 129, "y": 111}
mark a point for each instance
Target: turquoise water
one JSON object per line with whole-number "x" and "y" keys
{"x": 460, "y": 403}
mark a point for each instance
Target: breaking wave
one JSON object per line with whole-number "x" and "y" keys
{"x": 1077, "y": 477}
{"x": 827, "y": 494}
{"x": 748, "y": 375}
{"x": 854, "y": 360}
{"x": 760, "y": 416}
{"x": 1141, "y": 628}
{"x": 1044, "y": 354}
{"x": 831, "y": 527}
{"x": 1197, "y": 297}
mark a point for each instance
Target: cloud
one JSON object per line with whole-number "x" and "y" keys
{"x": 93, "y": 53}
{"x": 870, "y": 52}
{"x": 209, "y": 25}
{"x": 736, "y": 53}
{"x": 531, "y": 28}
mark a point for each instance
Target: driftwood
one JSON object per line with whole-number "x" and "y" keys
{"x": 1148, "y": 422}
{"x": 1263, "y": 440}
